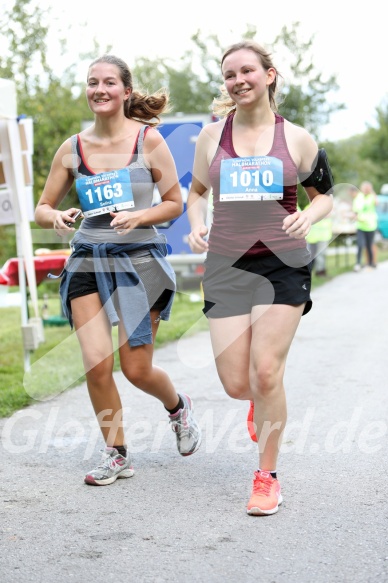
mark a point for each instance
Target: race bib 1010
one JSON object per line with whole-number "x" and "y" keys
{"x": 104, "y": 193}
{"x": 251, "y": 178}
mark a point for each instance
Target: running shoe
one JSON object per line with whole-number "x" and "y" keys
{"x": 250, "y": 422}
{"x": 112, "y": 466}
{"x": 185, "y": 427}
{"x": 266, "y": 496}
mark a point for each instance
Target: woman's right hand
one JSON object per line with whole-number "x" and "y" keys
{"x": 62, "y": 218}
{"x": 196, "y": 239}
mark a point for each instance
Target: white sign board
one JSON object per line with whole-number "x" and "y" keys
{"x": 15, "y": 190}
{"x": 7, "y": 197}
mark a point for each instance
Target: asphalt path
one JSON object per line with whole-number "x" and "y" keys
{"x": 184, "y": 519}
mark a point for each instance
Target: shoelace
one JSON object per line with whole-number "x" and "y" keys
{"x": 262, "y": 486}
{"x": 181, "y": 425}
{"x": 107, "y": 463}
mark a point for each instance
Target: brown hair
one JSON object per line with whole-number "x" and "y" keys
{"x": 224, "y": 105}
{"x": 140, "y": 106}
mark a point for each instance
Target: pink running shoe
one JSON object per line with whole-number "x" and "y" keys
{"x": 266, "y": 496}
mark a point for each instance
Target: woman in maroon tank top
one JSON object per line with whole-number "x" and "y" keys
{"x": 257, "y": 278}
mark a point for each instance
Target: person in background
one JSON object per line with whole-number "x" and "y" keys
{"x": 117, "y": 273}
{"x": 364, "y": 208}
{"x": 318, "y": 240}
{"x": 257, "y": 276}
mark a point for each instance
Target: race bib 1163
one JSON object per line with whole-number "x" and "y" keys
{"x": 251, "y": 178}
{"x": 104, "y": 193}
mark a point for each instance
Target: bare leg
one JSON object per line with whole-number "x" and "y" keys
{"x": 251, "y": 354}
{"x": 272, "y": 334}
{"x": 94, "y": 334}
{"x": 137, "y": 366}
{"x": 231, "y": 340}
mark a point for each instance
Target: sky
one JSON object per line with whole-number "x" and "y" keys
{"x": 349, "y": 41}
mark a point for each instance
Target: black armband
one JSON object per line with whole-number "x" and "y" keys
{"x": 321, "y": 176}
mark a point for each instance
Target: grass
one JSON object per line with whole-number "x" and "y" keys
{"x": 56, "y": 364}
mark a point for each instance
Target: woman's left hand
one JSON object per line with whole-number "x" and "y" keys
{"x": 297, "y": 225}
{"x": 125, "y": 221}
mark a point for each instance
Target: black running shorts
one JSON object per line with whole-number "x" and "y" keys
{"x": 83, "y": 282}
{"x": 232, "y": 288}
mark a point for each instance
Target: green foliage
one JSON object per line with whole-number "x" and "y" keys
{"x": 149, "y": 75}
{"x": 57, "y": 104}
{"x": 375, "y": 147}
{"x": 189, "y": 95}
{"x": 194, "y": 80}
{"x": 348, "y": 164}
{"x": 25, "y": 28}
{"x": 8, "y": 242}
{"x": 190, "y": 92}
{"x": 305, "y": 94}
{"x": 57, "y": 365}
{"x": 46, "y": 104}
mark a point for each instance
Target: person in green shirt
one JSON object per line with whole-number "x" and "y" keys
{"x": 318, "y": 240}
{"x": 364, "y": 208}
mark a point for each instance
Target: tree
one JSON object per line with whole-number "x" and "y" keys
{"x": 305, "y": 94}
{"x": 191, "y": 80}
{"x": 347, "y": 163}
{"x": 57, "y": 113}
{"x": 58, "y": 107}
{"x": 149, "y": 75}
{"x": 194, "y": 80}
{"x": 24, "y": 29}
{"x": 54, "y": 102}
{"x": 375, "y": 147}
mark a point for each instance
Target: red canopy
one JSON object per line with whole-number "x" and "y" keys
{"x": 9, "y": 273}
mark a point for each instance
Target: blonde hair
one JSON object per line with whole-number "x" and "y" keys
{"x": 223, "y": 105}
{"x": 139, "y": 106}
{"x": 366, "y": 187}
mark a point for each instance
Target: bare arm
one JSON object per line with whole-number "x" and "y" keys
{"x": 299, "y": 223}
{"x": 58, "y": 184}
{"x": 197, "y": 202}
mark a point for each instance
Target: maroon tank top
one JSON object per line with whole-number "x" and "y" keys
{"x": 253, "y": 227}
